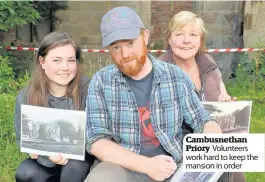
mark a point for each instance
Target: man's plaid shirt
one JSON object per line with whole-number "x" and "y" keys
{"x": 112, "y": 111}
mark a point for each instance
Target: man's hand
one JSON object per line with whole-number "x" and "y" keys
{"x": 211, "y": 127}
{"x": 161, "y": 167}
{"x": 59, "y": 159}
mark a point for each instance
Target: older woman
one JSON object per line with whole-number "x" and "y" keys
{"x": 185, "y": 42}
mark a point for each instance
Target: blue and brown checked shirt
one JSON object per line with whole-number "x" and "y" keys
{"x": 112, "y": 111}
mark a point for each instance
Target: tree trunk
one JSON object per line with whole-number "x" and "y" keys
{"x": 2, "y": 37}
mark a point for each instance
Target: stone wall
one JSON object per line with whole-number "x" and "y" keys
{"x": 82, "y": 19}
{"x": 254, "y": 23}
{"x": 161, "y": 12}
{"x": 224, "y": 23}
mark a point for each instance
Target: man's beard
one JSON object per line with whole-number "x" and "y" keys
{"x": 133, "y": 68}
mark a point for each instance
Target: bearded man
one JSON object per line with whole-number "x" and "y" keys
{"x": 136, "y": 107}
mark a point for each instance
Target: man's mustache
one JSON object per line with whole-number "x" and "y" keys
{"x": 126, "y": 60}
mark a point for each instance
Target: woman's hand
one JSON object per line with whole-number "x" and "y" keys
{"x": 59, "y": 159}
{"x": 224, "y": 97}
{"x": 33, "y": 156}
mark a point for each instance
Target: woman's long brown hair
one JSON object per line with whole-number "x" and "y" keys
{"x": 38, "y": 88}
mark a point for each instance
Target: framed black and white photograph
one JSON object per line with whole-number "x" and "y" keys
{"x": 233, "y": 117}
{"x": 48, "y": 131}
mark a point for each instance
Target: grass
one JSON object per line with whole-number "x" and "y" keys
{"x": 10, "y": 157}
{"x": 257, "y": 124}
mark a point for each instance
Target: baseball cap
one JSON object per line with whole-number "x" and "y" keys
{"x": 120, "y": 23}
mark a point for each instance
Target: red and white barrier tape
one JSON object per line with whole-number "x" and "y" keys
{"x": 19, "y": 48}
{"x": 234, "y": 50}
{"x": 156, "y": 51}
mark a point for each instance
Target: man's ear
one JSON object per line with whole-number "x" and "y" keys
{"x": 146, "y": 36}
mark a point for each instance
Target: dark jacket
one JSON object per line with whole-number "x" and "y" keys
{"x": 209, "y": 74}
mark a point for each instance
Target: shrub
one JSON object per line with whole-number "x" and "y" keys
{"x": 8, "y": 83}
{"x": 249, "y": 75}
{"x": 9, "y": 152}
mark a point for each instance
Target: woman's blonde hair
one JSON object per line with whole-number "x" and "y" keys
{"x": 179, "y": 20}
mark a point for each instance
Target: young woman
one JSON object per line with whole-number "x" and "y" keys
{"x": 57, "y": 81}
{"x": 185, "y": 42}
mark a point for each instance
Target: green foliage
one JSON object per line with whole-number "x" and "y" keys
{"x": 14, "y": 13}
{"x": 249, "y": 84}
{"x": 45, "y": 9}
{"x": 10, "y": 157}
{"x": 9, "y": 87}
{"x": 255, "y": 177}
{"x": 8, "y": 84}
{"x": 6, "y": 76}
{"x": 20, "y": 61}
{"x": 250, "y": 74}
{"x": 157, "y": 46}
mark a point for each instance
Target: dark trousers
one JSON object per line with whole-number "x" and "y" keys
{"x": 74, "y": 171}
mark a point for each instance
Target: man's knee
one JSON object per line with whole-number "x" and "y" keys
{"x": 110, "y": 172}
